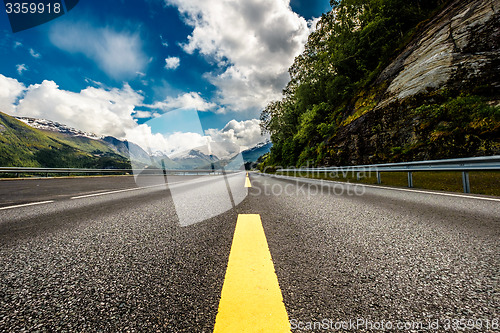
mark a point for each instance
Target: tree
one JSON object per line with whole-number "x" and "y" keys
{"x": 349, "y": 48}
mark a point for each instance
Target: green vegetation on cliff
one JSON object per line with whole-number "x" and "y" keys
{"x": 333, "y": 84}
{"x": 464, "y": 125}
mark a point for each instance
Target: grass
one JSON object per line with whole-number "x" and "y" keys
{"x": 481, "y": 182}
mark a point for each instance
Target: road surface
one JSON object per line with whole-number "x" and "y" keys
{"x": 101, "y": 254}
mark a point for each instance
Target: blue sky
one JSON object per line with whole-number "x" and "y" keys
{"x": 111, "y": 66}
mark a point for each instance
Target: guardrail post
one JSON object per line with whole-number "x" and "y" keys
{"x": 410, "y": 179}
{"x": 465, "y": 181}
{"x": 379, "y": 179}
{"x": 358, "y": 177}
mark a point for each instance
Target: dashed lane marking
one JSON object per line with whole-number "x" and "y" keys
{"x": 247, "y": 181}
{"x": 251, "y": 299}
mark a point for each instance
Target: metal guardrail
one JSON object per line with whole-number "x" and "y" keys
{"x": 464, "y": 165}
{"x": 69, "y": 171}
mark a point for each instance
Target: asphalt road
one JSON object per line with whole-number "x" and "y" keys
{"x": 88, "y": 260}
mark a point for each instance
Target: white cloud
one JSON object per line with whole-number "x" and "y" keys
{"x": 143, "y": 114}
{"x": 190, "y": 100}
{"x": 172, "y": 62}
{"x": 163, "y": 42}
{"x": 10, "y": 91}
{"x": 245, "y": 133}
{"x": 168, "y": 144}
{"x": 17, "y": 44}
{"x": 118, "y": 53}
{"x": 97, "y": 110}
{"x": 112, "y": 111}
{"x": 34, "y": 54}
{"x": 21, "y": 68}
{"x": 253, "y": 41}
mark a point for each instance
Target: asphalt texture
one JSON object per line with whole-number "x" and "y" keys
{"x": 125, "y": 261}
{"x": 20, "y": 191}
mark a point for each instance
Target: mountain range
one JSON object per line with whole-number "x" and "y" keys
{"x": 31, "y": 142}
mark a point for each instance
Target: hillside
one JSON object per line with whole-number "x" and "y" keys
{"x": 391, "y": 80}
{"x": 23, "y": 145}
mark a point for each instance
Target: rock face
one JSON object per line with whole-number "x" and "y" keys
{"x": 460, "y": 47}
{"x": 458, "y": 50}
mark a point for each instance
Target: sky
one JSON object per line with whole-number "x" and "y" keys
{"x": 117, "y": 67}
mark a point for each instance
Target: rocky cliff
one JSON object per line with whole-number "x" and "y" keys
{"x": 453, "y": 55}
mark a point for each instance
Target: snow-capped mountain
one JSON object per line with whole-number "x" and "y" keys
{"x": 49, "y": 125}
{"x": 252, "y": 154}
{"x": 126, "y": 149}
{"x": 260, "y": 145}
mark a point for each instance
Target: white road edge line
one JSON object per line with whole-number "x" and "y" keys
{"x": 27, "y": 205}
{"x": 390, "y": 188}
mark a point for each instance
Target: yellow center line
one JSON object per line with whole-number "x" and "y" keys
{"x": 251, "y": 299}
{"x": 247, "y": 181}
